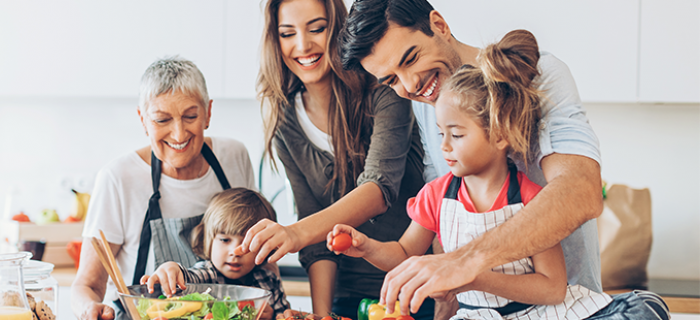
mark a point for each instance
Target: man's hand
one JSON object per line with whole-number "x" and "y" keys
{"x": 97, "y": 311}
{"x": 421, "y": 276}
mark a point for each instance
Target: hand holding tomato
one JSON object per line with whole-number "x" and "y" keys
{"x": 346, "y": 240}
{"x": 341, "y": 242}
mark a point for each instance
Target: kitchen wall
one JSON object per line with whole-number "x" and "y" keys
{"x": 51, "y": 145}
{"x": 69, "y": 79}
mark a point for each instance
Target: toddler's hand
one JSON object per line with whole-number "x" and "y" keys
{"x": 169, "y": 276}
{"x": 358, "y": 239}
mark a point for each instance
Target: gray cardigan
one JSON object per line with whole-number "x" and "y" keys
{"x": 394, "y": 162}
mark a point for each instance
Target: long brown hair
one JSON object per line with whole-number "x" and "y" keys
{"x": 231, "y": 212}
{"x": 348, "y": 115}
{"x": 501, "y": 93}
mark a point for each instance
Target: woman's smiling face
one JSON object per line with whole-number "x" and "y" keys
{"x": 175, "y": 124}
{"x": 302, "y": 35}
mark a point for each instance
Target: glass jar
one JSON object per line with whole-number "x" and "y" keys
{"x": 13, "y": 300}
{"x": 39, "y": 283}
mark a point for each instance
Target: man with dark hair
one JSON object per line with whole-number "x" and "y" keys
{"x": 408, "y": 46}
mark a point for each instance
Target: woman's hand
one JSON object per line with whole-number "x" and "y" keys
{"x": 169, "y": 276}
{"x": 267, "y": 313}
{"x": 97, "y": 311}
{"x": 267, "y": 236}
{"x": 359, "y": 241}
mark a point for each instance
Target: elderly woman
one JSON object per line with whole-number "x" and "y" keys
{"x": 146, "y": 201}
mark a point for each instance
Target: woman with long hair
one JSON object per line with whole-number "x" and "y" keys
{"x": 350, "y": 148}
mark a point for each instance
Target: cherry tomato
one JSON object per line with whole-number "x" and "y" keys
{"x": 209, "y": 316}
{"x": 327, "y": 318}
{"x": 238, "y": 251}
{"x": 341, "y": 242}
{"x": 404, "y": 317}
{"x": 242, "y": 304}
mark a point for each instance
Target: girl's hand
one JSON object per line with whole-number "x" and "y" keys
{"x": 169, "y": 276}
{"x": 267, "y": 236}
{"x": 359, "y": 241}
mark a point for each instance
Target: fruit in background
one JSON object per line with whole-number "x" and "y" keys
{"x": 21, "y": 217}
{"x": 70, "y": 219}
{"x": 73, "y": 249}
{"x": 80, "y": 205}
{"x": 47, "y": 216}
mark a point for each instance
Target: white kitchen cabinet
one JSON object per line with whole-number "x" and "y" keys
{"x": 597, "y": 39}
{"x": 101, "y": 48}
{"x": 670, "y": 51}
{"x": 618, "y": 51}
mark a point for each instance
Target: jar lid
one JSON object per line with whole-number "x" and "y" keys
{"x": 35, "y": 268}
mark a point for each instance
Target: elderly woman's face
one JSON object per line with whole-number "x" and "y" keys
{"x": 175, "y": 124}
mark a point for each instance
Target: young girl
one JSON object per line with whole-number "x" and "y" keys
{"x": 485, "y": 115}
{"x": 228, "y": 217}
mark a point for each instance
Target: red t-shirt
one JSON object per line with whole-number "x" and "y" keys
{"x": 424, "y": 208}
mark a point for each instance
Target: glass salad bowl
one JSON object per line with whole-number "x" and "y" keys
{"x": 197, "y": 302}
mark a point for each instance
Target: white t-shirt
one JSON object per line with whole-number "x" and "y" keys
{"x": 123, "y": 187}
{"x": 315, "y": 135}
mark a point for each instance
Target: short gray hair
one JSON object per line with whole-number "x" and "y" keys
{"x": 173, "y": 74}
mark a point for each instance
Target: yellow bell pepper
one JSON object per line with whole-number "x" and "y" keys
{"x": 378, "y": 312}
{"x": 158, "y": 309}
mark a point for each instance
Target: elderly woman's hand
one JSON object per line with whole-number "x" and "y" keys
{"x": 267, "y": 236}
{"x": 97, "y": 311}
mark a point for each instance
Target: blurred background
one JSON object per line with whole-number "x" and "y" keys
{"x": 70, "y": 71}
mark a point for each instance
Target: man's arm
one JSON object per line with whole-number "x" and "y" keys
{"x": 571, "y": 197}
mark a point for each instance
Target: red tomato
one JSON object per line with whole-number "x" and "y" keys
{"x": 327, "y": 318}
{"x": 341, "y": 242}
{"x": 242, "y": 304}
{"x": 238, "y": 251}
{"x": 209, "y": 316}
{"x": 404, "y": 317}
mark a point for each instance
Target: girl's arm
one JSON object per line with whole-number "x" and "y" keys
{"x": 385, "y": 255}
{"x": 547, "y": 286}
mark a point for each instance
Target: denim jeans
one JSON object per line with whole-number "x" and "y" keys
{"x": 635, "y": 305}
{"x": 347, "y": 307}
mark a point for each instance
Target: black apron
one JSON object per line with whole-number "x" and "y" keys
{"x": 170, "y": 237}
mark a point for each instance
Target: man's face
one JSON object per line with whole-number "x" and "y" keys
{"x": 412, "y": 63}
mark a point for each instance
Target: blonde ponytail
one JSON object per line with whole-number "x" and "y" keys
{"x": 501, "y": 92}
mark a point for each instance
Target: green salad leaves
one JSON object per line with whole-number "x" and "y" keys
{"x": 220, "y": 310}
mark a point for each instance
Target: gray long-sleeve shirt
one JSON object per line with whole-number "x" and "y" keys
{"x": 393, "y": 162}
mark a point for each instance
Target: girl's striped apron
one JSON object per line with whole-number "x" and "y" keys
{"x": 459, "y": 226}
